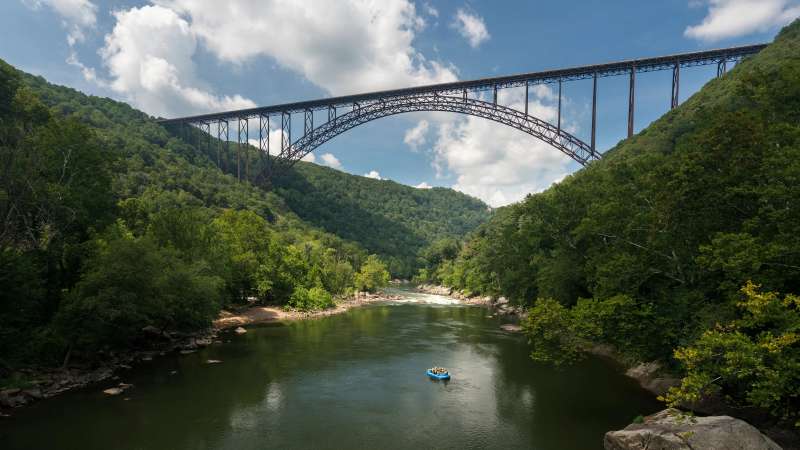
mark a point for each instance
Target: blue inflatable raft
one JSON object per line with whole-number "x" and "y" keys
{"x": 438, "y": 376}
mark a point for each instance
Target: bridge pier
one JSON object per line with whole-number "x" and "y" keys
{"x": 286, "y": 132}
{"x": 263, "y": 139}
{"x": 594, "y": 112}
{"x": 676, "y": 84}
{"x": 722, "y": 67}
{"x": 222, "y": 136}
{"x": 559, "y": 105}
{"x": 631, "y": 100}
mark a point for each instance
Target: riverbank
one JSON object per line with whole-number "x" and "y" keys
{"x": 651, "y": 376}
{"x": 266, "y": 314}
{"x": 39, "y": 383}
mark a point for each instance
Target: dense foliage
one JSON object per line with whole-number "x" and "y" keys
{"x": 648, "y": 248}
{"x": 112, "y": 224}
{"x": 389, "y": 219}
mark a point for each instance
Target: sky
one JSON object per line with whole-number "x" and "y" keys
{"x": 179, "y": 57}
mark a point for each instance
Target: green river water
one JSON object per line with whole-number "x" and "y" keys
{"x": 351, "y": 381}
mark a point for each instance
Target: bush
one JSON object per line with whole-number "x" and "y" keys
{"x": 372, "y": 276}
{"x": 132, "y": 283}
{"x": 310, "y": 299}
{"x": 751, "y": 361}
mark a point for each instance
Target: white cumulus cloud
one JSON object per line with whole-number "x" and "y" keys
{"x": 496, "y": 163}
{"x": 345, "y": 46}
{"x": 472, "y": 27}
{"x": 329, "y": 160}
{"x": 423, "y": 185}
{"x": 416, "y": 136}
{"x": 374, "y": 174}
{"x": 149, "y": 58}
{"x": 732, "y": 18}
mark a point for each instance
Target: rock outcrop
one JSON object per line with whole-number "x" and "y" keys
{"x": 650, "y": 376}
{"x": 672, "y": 430}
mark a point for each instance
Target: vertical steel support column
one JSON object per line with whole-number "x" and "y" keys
{"x": 242, "y": 138}
{"x": 722, "y": 67}
{"x": 465, "y": 95}
{"x": 631, "y": 100}
{"x": 208, "y": 137}
{"x": 286, "y": 132}
{"x": 495, "y": 95}
{"x": 676, "y": 84}
{"x": 594, "y": 112}
{"x": 222, "y": 136}
{"x": 263, "y": 139}
{"x": 308, "y": 126}
{"x": 559, "y": 106}
{"x": 527, "y": 85}
{"x": 331, "y": 113}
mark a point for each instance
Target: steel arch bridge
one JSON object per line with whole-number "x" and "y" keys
{"x": 457, "y": 97}
{"x": 551, "y": 134}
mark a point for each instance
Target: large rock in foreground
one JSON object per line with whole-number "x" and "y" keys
{"x": 671, "y": 430}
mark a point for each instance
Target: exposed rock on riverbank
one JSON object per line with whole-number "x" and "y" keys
{"x": 47, "y": 383}
{"x": 672, "y": 430}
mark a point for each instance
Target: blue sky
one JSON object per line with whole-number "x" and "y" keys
{"x": 176, "y": 57}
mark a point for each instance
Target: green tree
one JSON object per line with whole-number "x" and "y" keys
{"x": 752, "y": 361}
{"x": 372, "y": 275}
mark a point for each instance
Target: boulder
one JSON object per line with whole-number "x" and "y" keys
{"x": 113, "y": 391}
{"x": 670, "y": 429}
{"x": 240, "y": 330}
{"x": 649, "y": 377}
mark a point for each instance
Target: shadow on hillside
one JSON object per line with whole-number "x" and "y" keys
{"x": 343, "y": 216}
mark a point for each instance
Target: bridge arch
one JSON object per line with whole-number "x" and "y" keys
{"x": 359, "y": 115}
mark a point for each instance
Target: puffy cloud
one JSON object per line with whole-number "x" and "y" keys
{"x": 732, "y": 18}
{"x": 423, "y": 185}
{"x": 499, "y": 164}
{"x": 331, "y": 161}
{"x": 471, "y": 27}
{"x": 416, "y": 136}
{"x": 374, "y": 174}
{"x": 430, "y": 10}
{"x": 149, "y": 58}
{"x": 76, "y": 15}
{"x": 344, "y": 46}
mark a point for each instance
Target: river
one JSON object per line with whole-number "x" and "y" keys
{"x": 351, "y": 381}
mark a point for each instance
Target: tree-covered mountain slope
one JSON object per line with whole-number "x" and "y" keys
{"x": 391, "y": 219}
{"x": 682, "y": 244}
{"x": 112, "y": 224}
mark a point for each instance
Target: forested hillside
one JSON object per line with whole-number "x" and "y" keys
{"x": 387, "y": 218}
{"x": 112, "y": 224}
{"x": 682, "y": 244}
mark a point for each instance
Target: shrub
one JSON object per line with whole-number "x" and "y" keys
{"x": 310, "y": 299}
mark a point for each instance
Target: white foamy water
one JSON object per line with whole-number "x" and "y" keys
{"x": 411, "y": 296}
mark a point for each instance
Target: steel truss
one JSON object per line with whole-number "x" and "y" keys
{"x": 551, "y": 134}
